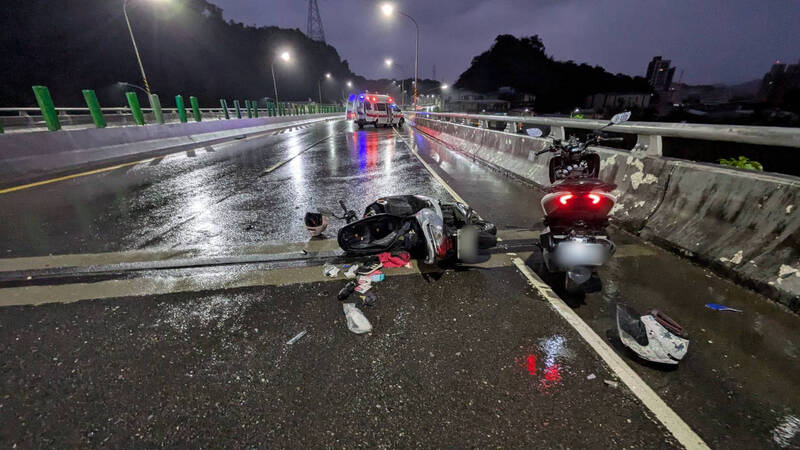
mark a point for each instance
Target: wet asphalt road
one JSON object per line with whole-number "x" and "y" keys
{"x": 214, "y": 198}
{"x": 92, "y": 373}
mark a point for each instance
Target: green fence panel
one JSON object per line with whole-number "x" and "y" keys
{"x": 94, "y": 108}
{"x": 224, "y": 104}
{"x": 155, "y": 105}
{"x": 136, "y": 109}
{"x": 195, "y": 108}
{"x": 255, "y": 108}
{"x": 249, "y": 108}
{"x": 45, "y": 103}
{"x": 238, "y": 109}
{"x": 181, "y": 108}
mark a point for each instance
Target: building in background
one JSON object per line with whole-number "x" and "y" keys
{"x": 782, "y": 81}
{"x": 659, "y": 73}
{"x": 613, "y": 102}
{"x": 473, "y": 102}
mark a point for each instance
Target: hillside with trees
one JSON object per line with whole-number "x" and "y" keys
{"x": 521, "y": 63}
{"x": 186, "y": 45}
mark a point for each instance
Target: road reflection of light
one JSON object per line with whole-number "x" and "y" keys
{"x": 205, "y": 220}
{"x": 553, "y": 348}
{"x": 388, "y": 156}
{"x": 296, "y": 165}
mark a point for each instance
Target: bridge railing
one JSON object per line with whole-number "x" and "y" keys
{"x": 52, "y": 117}
{"x": 649, "y": 135}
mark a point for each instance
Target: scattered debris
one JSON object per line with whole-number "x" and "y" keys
{"x": 348, "y": 289}
{"x": 612, "y": 383}
{"x": 591, "y": 376}
{"x": 718, "y": 307}
{"x": 369, "y": 268}
{"x": 362, "y": 288}
{"x": 356, "y": 320}
{"x": 396, "y": 259}
{"x": 296, "y": 338}
{"x": 351, "y": 271}
{"x": 368, "y": 299}
{"x": 330, "y": 270}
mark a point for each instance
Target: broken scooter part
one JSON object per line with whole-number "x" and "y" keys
{"x": 653, "y": 337}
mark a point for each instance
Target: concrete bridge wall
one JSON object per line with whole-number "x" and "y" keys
{"x": 741, "y": 223}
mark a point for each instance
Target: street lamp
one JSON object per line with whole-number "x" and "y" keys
{"x": 349, "y": 83}
{"x": 285, "y": 56}
{"x": 135, "y": 47}
{"x": 388, "y": 10}
{"x": 319, "y": 85}
{"x": 388, "y": 62}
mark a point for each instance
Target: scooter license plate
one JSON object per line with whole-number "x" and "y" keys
{"x": 581, "y": 254}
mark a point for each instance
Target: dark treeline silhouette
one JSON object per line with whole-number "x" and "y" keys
{"x": 522, "y": 64}
{"x": 186, "y": 45}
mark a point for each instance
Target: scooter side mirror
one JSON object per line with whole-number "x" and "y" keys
{"x": 621, "y": 117}
{"x": 534, "y": 132}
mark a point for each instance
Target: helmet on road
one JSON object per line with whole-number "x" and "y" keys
{"x": 653, "y": 336}
{"x": 316, "y": 223}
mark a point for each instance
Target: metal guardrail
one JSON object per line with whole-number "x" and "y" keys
{"x": 649, "y": 134}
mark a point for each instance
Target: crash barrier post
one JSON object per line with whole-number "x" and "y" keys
{"x": 195, "y": 108}
{"x": 45, "y": 103}
{"x": 181, "y": 108}
{"x": 224, "y": 104}
{"x": 238, "y": 109}
{"x": 255, "y": 108}
{"x": 155, "y": 104}
{"x": 136, "y": 110}
{"x": 247, "y": 107}
{"x": 94, "y": 108}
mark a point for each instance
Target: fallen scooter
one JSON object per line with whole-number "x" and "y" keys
{"x": 422, "y": 226}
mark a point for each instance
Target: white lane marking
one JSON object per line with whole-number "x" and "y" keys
{"x": 671, "y": 421}
{"x": 430, "y": 169}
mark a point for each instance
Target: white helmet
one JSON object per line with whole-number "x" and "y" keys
{"x": 653, "y": 336}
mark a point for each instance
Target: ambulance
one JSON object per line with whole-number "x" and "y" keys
{"x": 374, "y": 109}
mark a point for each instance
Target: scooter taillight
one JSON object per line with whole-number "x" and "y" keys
{"x": 594, "y": 203}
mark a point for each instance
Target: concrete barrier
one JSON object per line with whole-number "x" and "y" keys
{"x": 29, "y": 156}
{"x": 744, "y": 224}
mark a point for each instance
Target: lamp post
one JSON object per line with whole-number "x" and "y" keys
{"x": 319, "y": 85}
{"x": 285, "y": 56}
{"x": 135, "y": 47}
{"x": 388, "y": 10}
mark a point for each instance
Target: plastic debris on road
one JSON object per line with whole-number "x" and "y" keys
{"x": 613, "y": 384}
{"x": 329, "y": 270}
{"x": 591, "y": 376}
{"x": 351, "y": 271}
{"x": 357, "y": 322}
{"x": 363, "y": 287}
{"x": 296, "y": 338}
{"x": 718, "y": 307}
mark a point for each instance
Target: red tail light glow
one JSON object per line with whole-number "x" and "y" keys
{"x": 595, "y": 198}
{"x": 565, "y": 198}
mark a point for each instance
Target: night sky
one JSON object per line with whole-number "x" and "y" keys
{"x": 713, "y": 41}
